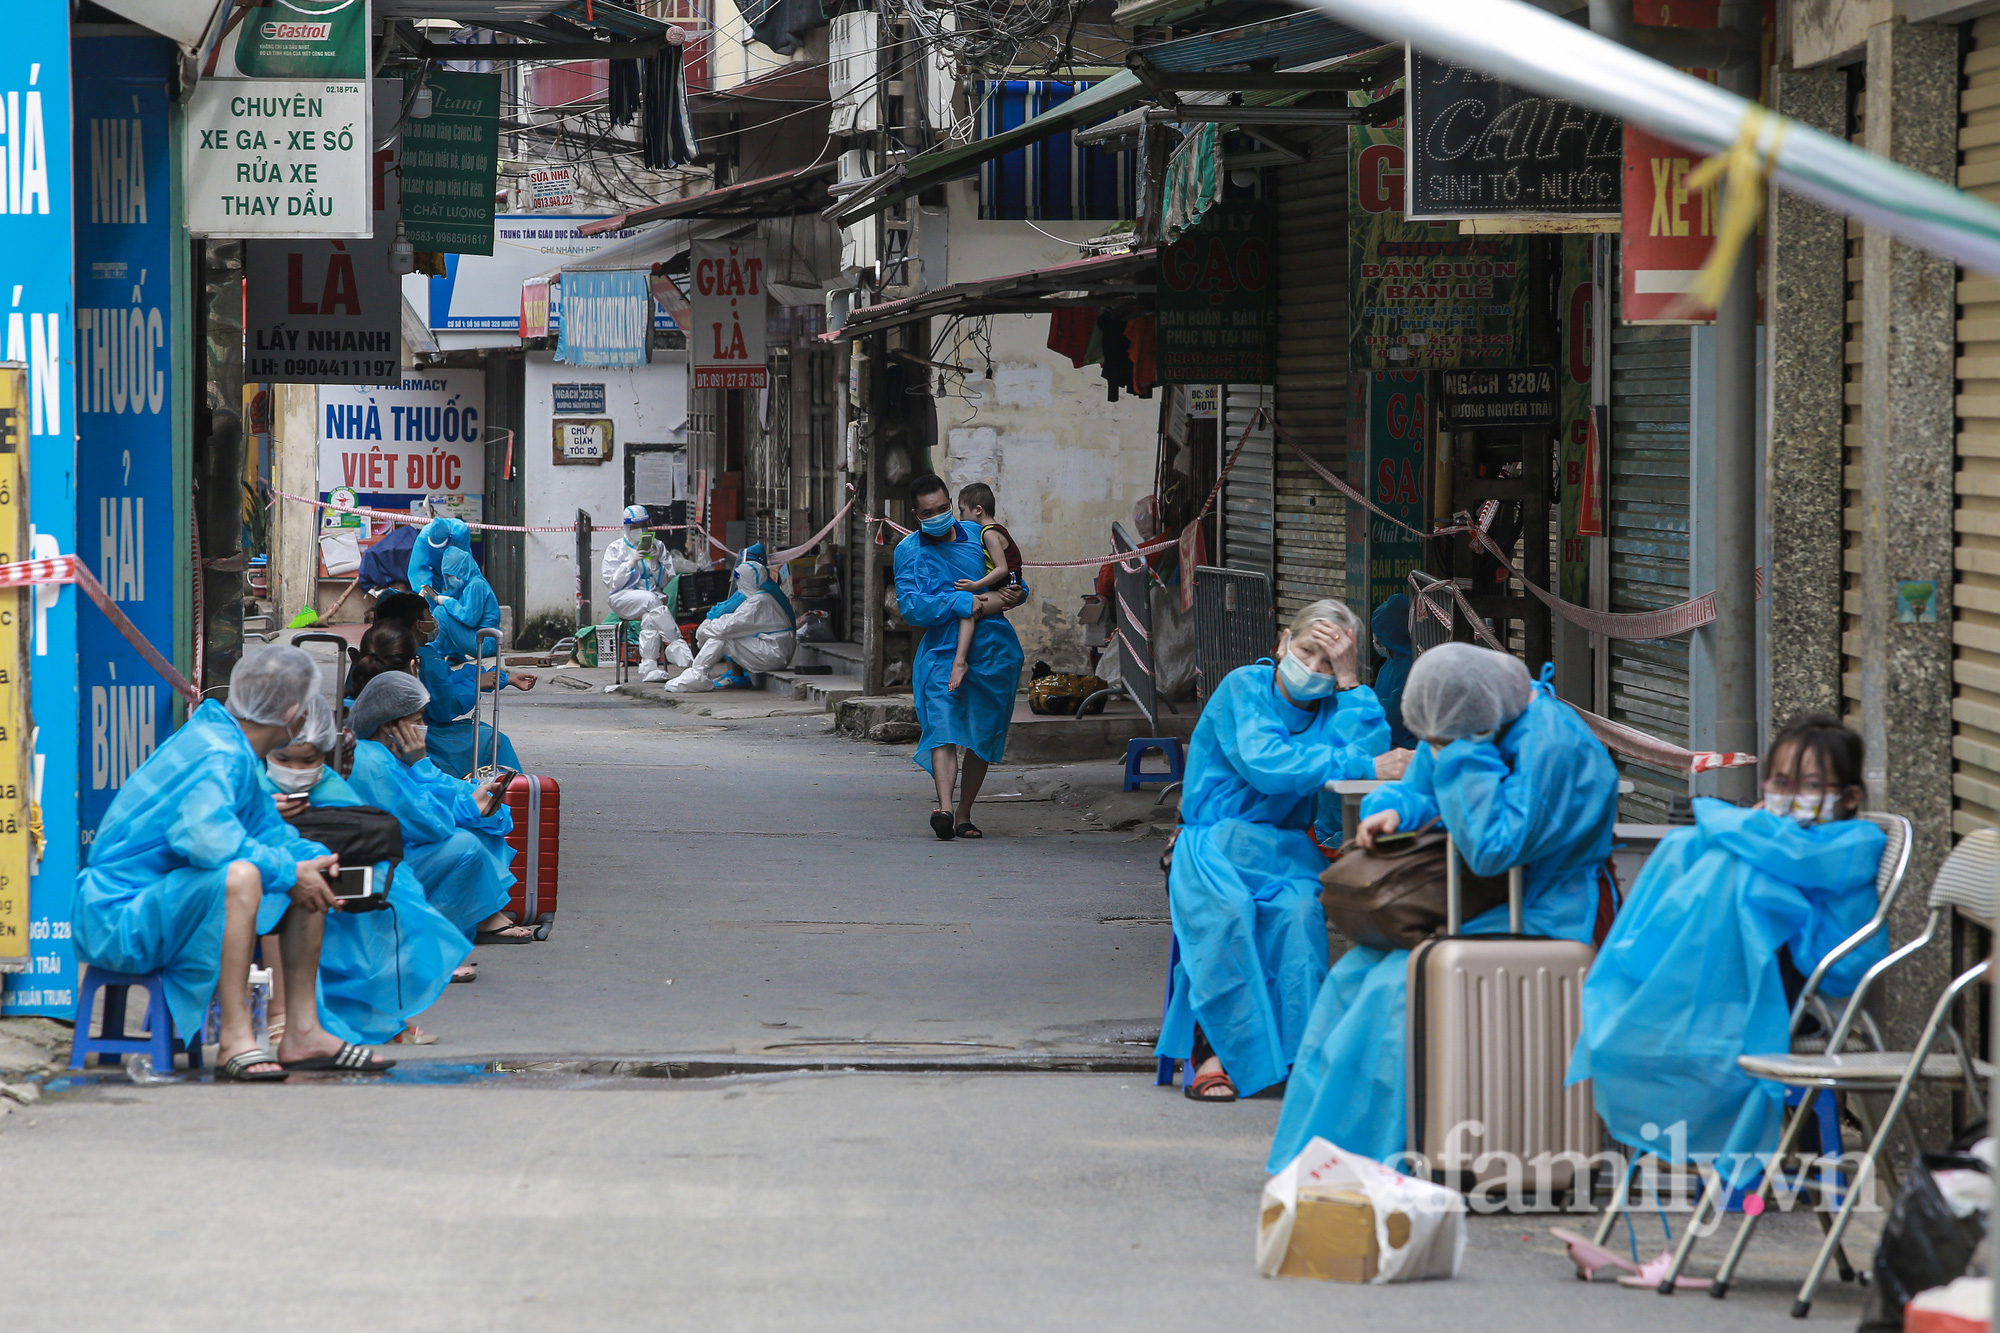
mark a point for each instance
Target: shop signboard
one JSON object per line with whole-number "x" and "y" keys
{"x": 17, "y": 760}
{"x": 397, "y": 444}
{"x": 552, "y": 187}
{"x": 607, "y": 319}
{"x": 727, "y": 305}
{"x": 1483, "y": 148}
{"x": 484, "y": 291}
{"x": 1668, "y": 229}
{"x": 278, "y": 158}
{"x": 1503, "y": 396}
{"x": 297, "y": 39}
{"x": 1420, "y": 295}
{"x": 330, "y": 312}
{"x": 126, "y": 238}
{"x": 1577, "y": 307}
{"x": 1217, "y": 298}
{"x": 38, "y": 269}
{"x": 451, "y": 165}
{"x": 1389, "y": 435}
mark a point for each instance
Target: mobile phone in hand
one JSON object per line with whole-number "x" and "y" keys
{"x": 1393, "y": 842}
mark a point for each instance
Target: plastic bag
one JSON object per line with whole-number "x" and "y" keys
{"x": 1432, "y": 1246}
{"x": 1924, "y": 1242}
{"x": 1964, "y": 1306}
{"x": 814, "y": 627}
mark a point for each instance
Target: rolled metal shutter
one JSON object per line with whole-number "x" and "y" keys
{"x": 1246, "y": 497}
{"x": 1649, "y": 547}
{"x": 1975, "y": 630}
{"x": 1311, "y": 521}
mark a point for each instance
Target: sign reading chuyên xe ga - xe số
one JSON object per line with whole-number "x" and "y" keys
{"x": 1216, "y": 298}
{"x": 278, "y": 157}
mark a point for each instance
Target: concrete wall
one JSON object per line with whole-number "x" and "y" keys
{"x": 1063, "y": 463}
{"x": 646, "y": 404}
{"x": 295, "y": 526}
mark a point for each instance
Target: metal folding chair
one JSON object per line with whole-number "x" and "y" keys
{"x": 1968, "y": 881}
{"x": 1890, "y": 870}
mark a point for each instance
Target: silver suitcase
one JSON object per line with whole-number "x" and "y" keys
{"x": 1492, "y": 1021}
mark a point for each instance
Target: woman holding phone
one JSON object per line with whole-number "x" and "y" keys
{"x": 378, "y": 969}
{"x": 1243, "y": 883}
{"x": 454, "y": 831}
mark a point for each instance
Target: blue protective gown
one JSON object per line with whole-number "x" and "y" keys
{"x": 457, "y": 744}
{"x": 1688, "y": 978}
{"x": 152, "y": 898}
{"x": 1542, "y": 795}
{"x": 426, "y": 560}
{"x": 378, "y": 970}
{"x": 387, "y": 562}
{"x": 465, "y": 604}
{"x": 977, "y": 713}
{"x": 1244, "y": 886}
{"x": 461, "y": 856}
{"x": 1392, "y": 630}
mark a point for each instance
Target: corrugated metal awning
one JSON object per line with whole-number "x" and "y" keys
{"x": 1291, "y": 41}
{"x": 786, "y": 194}
{"x": 1091, "y": 281}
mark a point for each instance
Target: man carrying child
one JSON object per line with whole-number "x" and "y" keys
{"x": 968, "y": 664}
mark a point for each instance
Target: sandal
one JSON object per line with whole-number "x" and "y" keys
{"x": 349, "y": 1059}
{"x": 505, "y": 935}
{"x": 941, "y": 825}
{"x": 414, "y": 1036}
{"x": 1197, "y": 1091}
{"x": 467, "y": 973}
{"x": 968, "y": 830}
{"x": 1591, "y": 1258}
{"x": 236, "y": 1069}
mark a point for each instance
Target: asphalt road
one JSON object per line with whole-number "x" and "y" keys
{"x": 751, "y": 890}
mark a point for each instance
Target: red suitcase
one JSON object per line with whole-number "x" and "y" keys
{"x": 537, "y": 843}
{"x": 537, "y": 837}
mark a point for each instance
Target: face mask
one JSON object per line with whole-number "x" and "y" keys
{"x": 1302, "y": 683}
{"x": 293, "y": 781}
{"x": 1803, "y": 810}
{"x": 938, "y": 525}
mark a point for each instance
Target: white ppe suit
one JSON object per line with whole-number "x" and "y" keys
{"x": 757, "y": 634}
{"x": 635, "y": 588}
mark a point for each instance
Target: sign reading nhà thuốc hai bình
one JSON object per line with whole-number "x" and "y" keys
{"x": 1216, "y": 298}
{"x": 278, "y": 158}
{"x": 727, "y": 305}
{"x": 1482, "y": 148}
{"x": 451, "y": 165}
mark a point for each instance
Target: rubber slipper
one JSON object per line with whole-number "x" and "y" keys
{"x": 941, "y": 825}
{"x": 502, "y": 937}
{"x": 1197, "y": 1091}
{"x": 463, "y": 975}
{"x": 236, "y": 1069}
{"x": 968, "y": 830}
{"x": 349, "y": 1059}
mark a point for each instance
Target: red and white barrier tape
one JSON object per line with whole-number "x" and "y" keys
{"x": 1636, "y": 744}
{"x": 68, "y": 569}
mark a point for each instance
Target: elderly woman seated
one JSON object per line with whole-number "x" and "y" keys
{"x": 454, "y": 832}
{"x": 192, "y": 863}
{"x": 1518, "y": 780}
{"x": 377, "y": 969}
{"x": 1243, "y": 886}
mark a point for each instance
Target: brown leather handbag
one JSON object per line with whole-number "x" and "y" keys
{"x": 1396, "y": 899}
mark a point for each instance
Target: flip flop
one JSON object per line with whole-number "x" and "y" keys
{"x": 1197, "y": 1091}
{"x": 349, "y": 1059}
{"x": 968, "y": 830}
{"x": 502, "y": 937}
{"x": 236, "y": 1069}
{"x": 1652, "y": 1273}
{"x": 941, "y": 825}
{"x": 465, "y": 975}
{"x": 1591, "y": 1258}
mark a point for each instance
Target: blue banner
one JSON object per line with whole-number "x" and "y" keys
{"x": 36, "y": 269}
{"x": 607, "y": 319}
{"x": 125, "y": 236}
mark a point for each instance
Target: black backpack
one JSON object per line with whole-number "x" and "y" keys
{"x": 360, "y": 835}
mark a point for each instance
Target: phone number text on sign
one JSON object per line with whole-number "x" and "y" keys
{"x": 278, "y": 158}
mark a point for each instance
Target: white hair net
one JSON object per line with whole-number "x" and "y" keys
{"x": 1460, "y": 689}
{"x": 266, "y": 686}
{"x": 388, "y": 697}
{"x": 319, "y": 730}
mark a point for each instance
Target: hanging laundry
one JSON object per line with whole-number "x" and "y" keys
{"x": 1071, "y": 331}
{"x": 1145, "y": 374}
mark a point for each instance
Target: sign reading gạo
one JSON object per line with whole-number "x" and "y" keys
{"x": 278, "y": 158}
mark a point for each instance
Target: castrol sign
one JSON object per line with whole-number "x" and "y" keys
{"x": 727, "y": 303}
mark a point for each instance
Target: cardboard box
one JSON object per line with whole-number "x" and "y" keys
{"x": 1333, "y": 1238}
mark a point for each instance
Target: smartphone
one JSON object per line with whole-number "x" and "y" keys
{"x": 1393, "y": 842}
{"x": 506, "y": 776}
{"x": 355, "y": 884}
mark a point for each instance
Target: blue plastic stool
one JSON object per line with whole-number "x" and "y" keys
{"x": 1135, "y": 750}
{"x": 159, "y": 1041}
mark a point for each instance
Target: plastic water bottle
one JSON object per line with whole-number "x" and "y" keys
{"x": 260, "y": 1007}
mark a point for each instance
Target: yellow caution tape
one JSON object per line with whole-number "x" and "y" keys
{"x": 1743, "y": 168}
